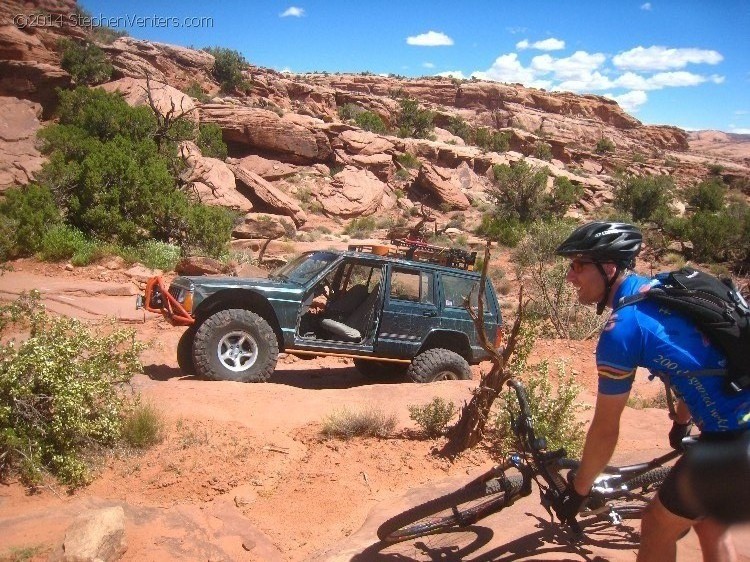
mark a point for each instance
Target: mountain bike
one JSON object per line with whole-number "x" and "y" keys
{"x": 619, "y": 492}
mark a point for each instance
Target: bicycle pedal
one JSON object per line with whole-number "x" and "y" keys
{"x": 615, "y": 518}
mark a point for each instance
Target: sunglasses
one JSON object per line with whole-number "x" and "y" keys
{"x": 577, "y": 265}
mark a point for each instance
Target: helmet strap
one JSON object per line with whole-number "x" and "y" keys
{"x": 607, "y": 285}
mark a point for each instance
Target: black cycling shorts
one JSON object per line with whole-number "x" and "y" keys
{"x": 669, "y": 493}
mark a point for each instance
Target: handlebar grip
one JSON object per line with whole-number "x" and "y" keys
{"x": 523, "y": 399}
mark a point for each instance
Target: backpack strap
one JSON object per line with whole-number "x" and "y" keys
{"x": 625, "y": 301}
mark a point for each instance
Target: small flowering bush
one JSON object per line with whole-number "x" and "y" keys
{"x": 62, "y": 391}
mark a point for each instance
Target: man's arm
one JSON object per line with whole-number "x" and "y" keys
{"x": 601, "y": 439}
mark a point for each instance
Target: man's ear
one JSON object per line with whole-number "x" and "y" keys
{"x": 609, "y": 269}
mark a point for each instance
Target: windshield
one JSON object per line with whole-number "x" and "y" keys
{"x": 305, "y": 267}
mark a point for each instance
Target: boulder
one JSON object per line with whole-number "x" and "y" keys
{"x": 171, "y": 64}
{"x": 365, "y": 143}
{"x": 296, "y": 137}
{"x": 19, "y": 158}
{"x": 271, "y": 196}
{"x": 96, "y": 536}
{"x": 264, "y": 226}
{"x": 379, "y": 164}
{"x": 200, "y": 265}
{"x": 441, "y": 135}
{"x": 440, "y": 182}
{"x": 268, "y": 169}
{"x": 353, "y": 192}
{"x": 168, "y": 100}
{"x": 212, "y": 180}
{"x": 34, "y": 81}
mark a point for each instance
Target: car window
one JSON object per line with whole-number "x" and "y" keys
{"x": 415, "y": 286}
{"x": 456, "y": 289}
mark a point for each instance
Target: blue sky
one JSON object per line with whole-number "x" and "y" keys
{"x": 683, "y": 63}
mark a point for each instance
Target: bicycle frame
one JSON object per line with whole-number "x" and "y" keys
{"x": 535, "y": 462}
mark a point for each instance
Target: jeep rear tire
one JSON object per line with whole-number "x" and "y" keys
{"x": 235, "y": 345}
{"x": 380, "y": 370}
{"x": 439, "y": 365}
{"x": 185, "y": 351}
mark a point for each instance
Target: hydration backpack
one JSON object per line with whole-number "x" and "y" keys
{"x": 718, "y": 310}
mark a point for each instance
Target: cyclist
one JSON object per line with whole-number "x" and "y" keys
{"x": 602, "y": 257}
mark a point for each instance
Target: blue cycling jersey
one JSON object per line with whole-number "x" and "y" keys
{"x": 669, "y": 345}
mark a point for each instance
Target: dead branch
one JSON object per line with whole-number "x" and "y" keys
{"x": 469, "y": 430}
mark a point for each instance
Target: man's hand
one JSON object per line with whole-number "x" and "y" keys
{"x": 678, "y": 432}
{"x": 569, "y": 504}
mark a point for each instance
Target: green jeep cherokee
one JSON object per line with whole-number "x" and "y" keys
{"x": 392, "y": 311}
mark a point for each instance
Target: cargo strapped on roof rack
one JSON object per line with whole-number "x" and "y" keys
{"x": 421, "y": 251}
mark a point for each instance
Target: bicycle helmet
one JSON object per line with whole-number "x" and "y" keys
{"x": 616, "y": 242}
{"x": 603, "y": 242}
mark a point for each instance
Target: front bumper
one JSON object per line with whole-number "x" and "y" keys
{"x": 158, "y": 300}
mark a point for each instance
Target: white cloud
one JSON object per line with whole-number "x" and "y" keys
{"x": 575, "y": 67}
{"x": 646, "y": 7}
{"x": 663, "y": 58}
{"x": 630, "y": 101}
{"x": 292, "y": 11}
{"x": 740, "y": 131}
{"x": 550, "y": 44}
{"x": 507, "y": 68}
{"x": 741, "y": 112}
{"x": 452, "y": 74}
{"x": 430, "y": 39}
{"x": 588, "y": 82}
{"x": 428, "y": 65}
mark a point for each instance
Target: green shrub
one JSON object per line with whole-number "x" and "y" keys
{"x": 360, "y": 227}
{"x": 370, "y": 121}
{"x": 61, "y": 242}
{"x": 408, "y": 160}
{"x": 645, "y": 198}
{"x": 564, "y": 194}
{"x": 86, "y": 63}
{"x": 413, "y": 121}
{"x": 553, "y": 410}
{"x": 519, "y": 192}
{"x": 8, "y": 228}
{"x": 543, "y": 151}
{"x": 61, "y": 392}
{"x": 433, "y": 417}
{"x": 28, "y": 212}
{"x": 211, "y": 142}
{"x": 507, "y": 232}
{"x": 346, "y": 424}
{"x": 114, "y": 169}
{"x": 143, "y": 426}
{"x": 157, "y": 255}
{"x": 349, "y": 111}
{"x": 493, "y": 141}
{"x": 720, "y": 236}
{"x": 604, "y": 145}
{"x": 459, "y": 127}
{"x": 707, "y": 195}
{"x": 194, "y": 90}
{"x": 227, "y": 69}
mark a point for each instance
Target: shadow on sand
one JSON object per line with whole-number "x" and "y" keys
{"x": 550, "y": 542}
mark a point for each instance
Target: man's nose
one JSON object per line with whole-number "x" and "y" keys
{"x": 570, "y": 275}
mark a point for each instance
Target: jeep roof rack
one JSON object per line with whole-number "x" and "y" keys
{"x": 417, "y": 250}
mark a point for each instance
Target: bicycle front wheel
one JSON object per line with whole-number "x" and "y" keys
{"x": 457, "y": 509}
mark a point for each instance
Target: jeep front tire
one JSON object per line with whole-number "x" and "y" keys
{"x": 235, "y": 345}
{"x": 185, "y": 351}
{"x": 438, "y": 365}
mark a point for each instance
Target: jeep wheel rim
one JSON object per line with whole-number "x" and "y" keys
{"x": 446, "y": 376}
{"x": 237, "y": 351}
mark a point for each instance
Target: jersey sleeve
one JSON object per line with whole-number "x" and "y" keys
{"x": 618, "y": 353}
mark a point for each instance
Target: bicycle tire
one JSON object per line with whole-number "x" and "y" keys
{"x": 451, "y": 510}
{"x": 655, "y": 476}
